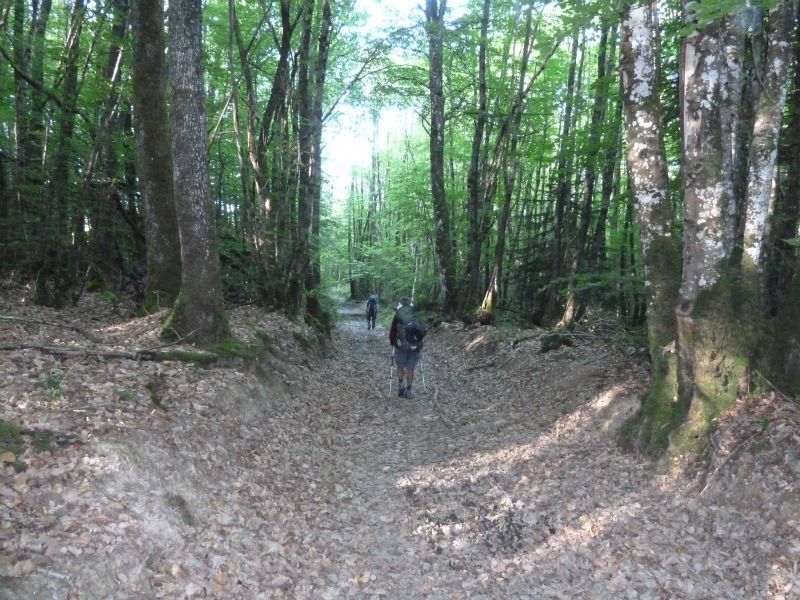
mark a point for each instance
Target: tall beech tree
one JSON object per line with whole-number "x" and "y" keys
{"x": 199, "y": 311}
{"x": 154, "y": 156}
{"x": 648, "y": 180}
{"x": 435, "y": 27}
{"x": 764, "y": 147}
{"x": 710, "y": 363}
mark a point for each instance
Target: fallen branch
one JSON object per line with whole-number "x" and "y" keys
{"x": 483, "y": 366}
{"x": 773, "y": 386}
{"x": 83, "y": 332}
{"x": 744, "y": 444}
{"x": 138, "y": 355}
{"x": 84, "y": 352}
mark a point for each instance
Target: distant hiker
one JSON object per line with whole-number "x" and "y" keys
{"x": 406, "y": 336}
{"x": 372, "y": 311}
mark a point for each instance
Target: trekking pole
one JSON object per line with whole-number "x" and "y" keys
{"x": 391, "y": 372}
{"x": 422, "y": 373}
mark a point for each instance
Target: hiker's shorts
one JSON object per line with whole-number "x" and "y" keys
{"x": 406, "y": 359}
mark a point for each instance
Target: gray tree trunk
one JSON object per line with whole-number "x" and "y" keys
{"x": 200, "y": 311}
{"x": 434, "y": 14}
{"x": 648, "y": 178}
{"x": 154, "y": 155}
{"x": 712, "y": 354}
{"x": 764, "y": 146}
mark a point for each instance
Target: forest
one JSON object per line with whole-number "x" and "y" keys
{"x": 631, "y": 163}
{"x": 592, "y": 205}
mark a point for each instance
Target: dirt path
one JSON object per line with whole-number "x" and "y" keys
{"x": 502, "y": 480}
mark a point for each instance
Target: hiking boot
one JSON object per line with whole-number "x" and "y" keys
{"x": 401, "y": 392}
{"x": 408, "y": 393}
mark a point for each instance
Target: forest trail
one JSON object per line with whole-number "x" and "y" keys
{"x": 502, "y": 480}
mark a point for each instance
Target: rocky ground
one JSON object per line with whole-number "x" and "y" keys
{"x": 300, "y": 476}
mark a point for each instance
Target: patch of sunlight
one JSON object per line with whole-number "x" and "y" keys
{"x": 476, "y": 342}
{"x": 605, "y": 411}
{"x": 132, "y": 326}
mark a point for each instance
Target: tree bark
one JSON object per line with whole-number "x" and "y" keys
{"x": 199, "y": 311}
{"x": 764, "y": 149}
{"x": 314, "y": 308}
{"x": 474, "y": 183}
{"x": 711, "y": 351}
{"x": 104, "y": 255}
{"x": 154, "y": 155}
{"x": 648, "y": 179}
{"x": 434, "y": 15}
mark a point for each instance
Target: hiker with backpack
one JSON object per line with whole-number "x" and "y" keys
{"x": 406, "y": 335}
{"x": 372, "y": 311}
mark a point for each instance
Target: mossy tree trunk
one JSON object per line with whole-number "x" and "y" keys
{"x": 199, "y": 311}
{"x": 648, "y": 177}
{"x": 712, "y": 344}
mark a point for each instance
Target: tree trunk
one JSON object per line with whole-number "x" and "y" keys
{"x": 764, "y": 149}
{"x": 563, "y": 176}
{"x": 29, "y": 175}
{"x": 648, "y": 178}
{"x": 474, "y": 183}
{"x": 199, "y": 311}
{"x": 154, "y": 155}
{"x": 434, "y": 14}
{"x": 313, "y": 282}
{"x": 306, "y": 160}
{"x": 610, "y": 159}
{"x": 712, "y": 354}
{"x": 105, "y": 258}
{"x": 55, "y": 269}
{"x": 598, "y": 116}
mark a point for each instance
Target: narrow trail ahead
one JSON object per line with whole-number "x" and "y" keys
{"x": 501, "y": 481}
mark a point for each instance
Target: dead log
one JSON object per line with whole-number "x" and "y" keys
{"x": 75, "y": 328}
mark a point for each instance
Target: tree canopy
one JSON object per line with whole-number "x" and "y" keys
{"x": 562, "y": 164}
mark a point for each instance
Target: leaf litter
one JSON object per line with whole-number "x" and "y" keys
{"x": 300, "y": 476}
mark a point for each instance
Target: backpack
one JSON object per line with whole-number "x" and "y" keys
{"x": 372, "y": 304}
{"x": 410, "y": 330}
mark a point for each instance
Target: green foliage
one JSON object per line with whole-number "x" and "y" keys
{"x": 708, "y": 11}
{"x": 11, "y": 441}
{"x": 44, "y": 443}
{"x": 52, "y": 384}
{"x": 10, "y": 438}
{"x": 321, "y": 312}
{"x": 126, "y": 395}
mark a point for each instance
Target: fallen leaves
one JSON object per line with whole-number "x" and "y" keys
{"x": 312, "y": 483}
